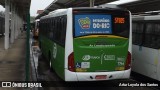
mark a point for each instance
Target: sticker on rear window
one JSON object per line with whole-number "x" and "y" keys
{"x": 85, "y": 65}
{"x": 78, "y": 65}
{"x": 92, "y": 24}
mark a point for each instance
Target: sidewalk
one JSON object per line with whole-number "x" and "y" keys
{"x": 12, "y": 61}
{"x": 2, "y": 53}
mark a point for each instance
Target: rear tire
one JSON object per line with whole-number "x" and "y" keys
{"x": 50, "y": 63}
{"x": 42, "y": 64}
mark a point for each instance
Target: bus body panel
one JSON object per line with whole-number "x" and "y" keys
{"x": 130, "y": 35}
{"x": 49, "y": 52}
{"x": 146, "y": 61}
{"x": 90, "y": 57}
{"x": 58, "y": 62}
{"x": 90, "y": 76}
{"x": 97, "y": 46}
{"x": 45, "y": 49}
{"x": 36, "y": 29}
{"x": 146, "y": 53}
{"x": 52, "y": 50}
{"x": 69, "y": 37}
{"x": 158, "y": 66}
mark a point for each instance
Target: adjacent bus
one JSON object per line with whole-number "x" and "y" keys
{"x": 146, "y": 46}
{"x": 36, "y": 29}
{"x": 1, "y": 25}
{"x": 87, "y": 44}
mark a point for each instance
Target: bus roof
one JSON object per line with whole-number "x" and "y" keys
{"x": 60, "y": 12}
{"x": 57, "y": 11}
{"x": 37, "y": 20}
{"x": 54, "y": 13}
{"x": 154, "y": 17}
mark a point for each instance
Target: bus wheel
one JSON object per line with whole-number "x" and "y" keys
{"x": 42, "y": 65}
{"x": 50, "y": 63}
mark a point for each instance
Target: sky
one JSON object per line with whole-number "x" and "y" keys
{"x": 36, "y": 5}
{"x": 42, "y": 4}
{"x": 39, "y": 5}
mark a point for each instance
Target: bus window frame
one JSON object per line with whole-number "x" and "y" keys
{"x": 56, "y": 25}
{"x": 152, "y": 34}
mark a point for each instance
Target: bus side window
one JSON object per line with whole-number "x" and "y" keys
{"x": 42, "y": 28}
{"x": 48, "y": 27}
{"x": 156, "y": 40}
{"x": 54, "y": 28}
{"x": 149, "y": 35}
{"x": 58, "y": 30}
{"x": 51, "y": 29}
{"x": 134, "y": 32}
{"x": 137, "y": 33}
{"x": 63, "y": 34}
{"x": 45, "y": 27}
{"x": 39, "y": 27}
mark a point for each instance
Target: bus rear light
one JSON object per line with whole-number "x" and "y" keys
{"x": 75, "y": 11}
{"x": 71, "y": 65}
{"x": 128, "y": 61}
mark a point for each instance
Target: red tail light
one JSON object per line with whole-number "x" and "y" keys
{"x": 128, "y": 61}
{"x": 75, "y": 11}
{"x": 71, "y": 65}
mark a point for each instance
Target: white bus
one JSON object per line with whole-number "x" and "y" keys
{"x": 146, "y": 46}
{"x": 87, "y": 44}
{"x": 36, "y": 29}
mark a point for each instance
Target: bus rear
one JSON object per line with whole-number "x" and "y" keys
{"x": 101, "y": 45}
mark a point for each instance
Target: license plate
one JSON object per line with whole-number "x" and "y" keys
{"x": 101, "y": 77}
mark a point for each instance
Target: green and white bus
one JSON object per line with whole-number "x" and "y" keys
{"x": 87, "y": 44}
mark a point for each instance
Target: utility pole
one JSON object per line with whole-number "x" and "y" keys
{"x": 28, "y": 49}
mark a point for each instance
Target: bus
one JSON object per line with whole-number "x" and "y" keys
{"x": 87, "y": 44}
{"x": 36, "y": 29}
{"x": 1, "y": 25}
{"x": 146, "y": 46}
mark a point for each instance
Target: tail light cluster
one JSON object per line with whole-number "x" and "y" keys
{"x": 128, "y": 61}
{"x": 71, "y": 65}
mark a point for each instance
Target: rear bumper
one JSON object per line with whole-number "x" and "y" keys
{"x": 90, "y": 76}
